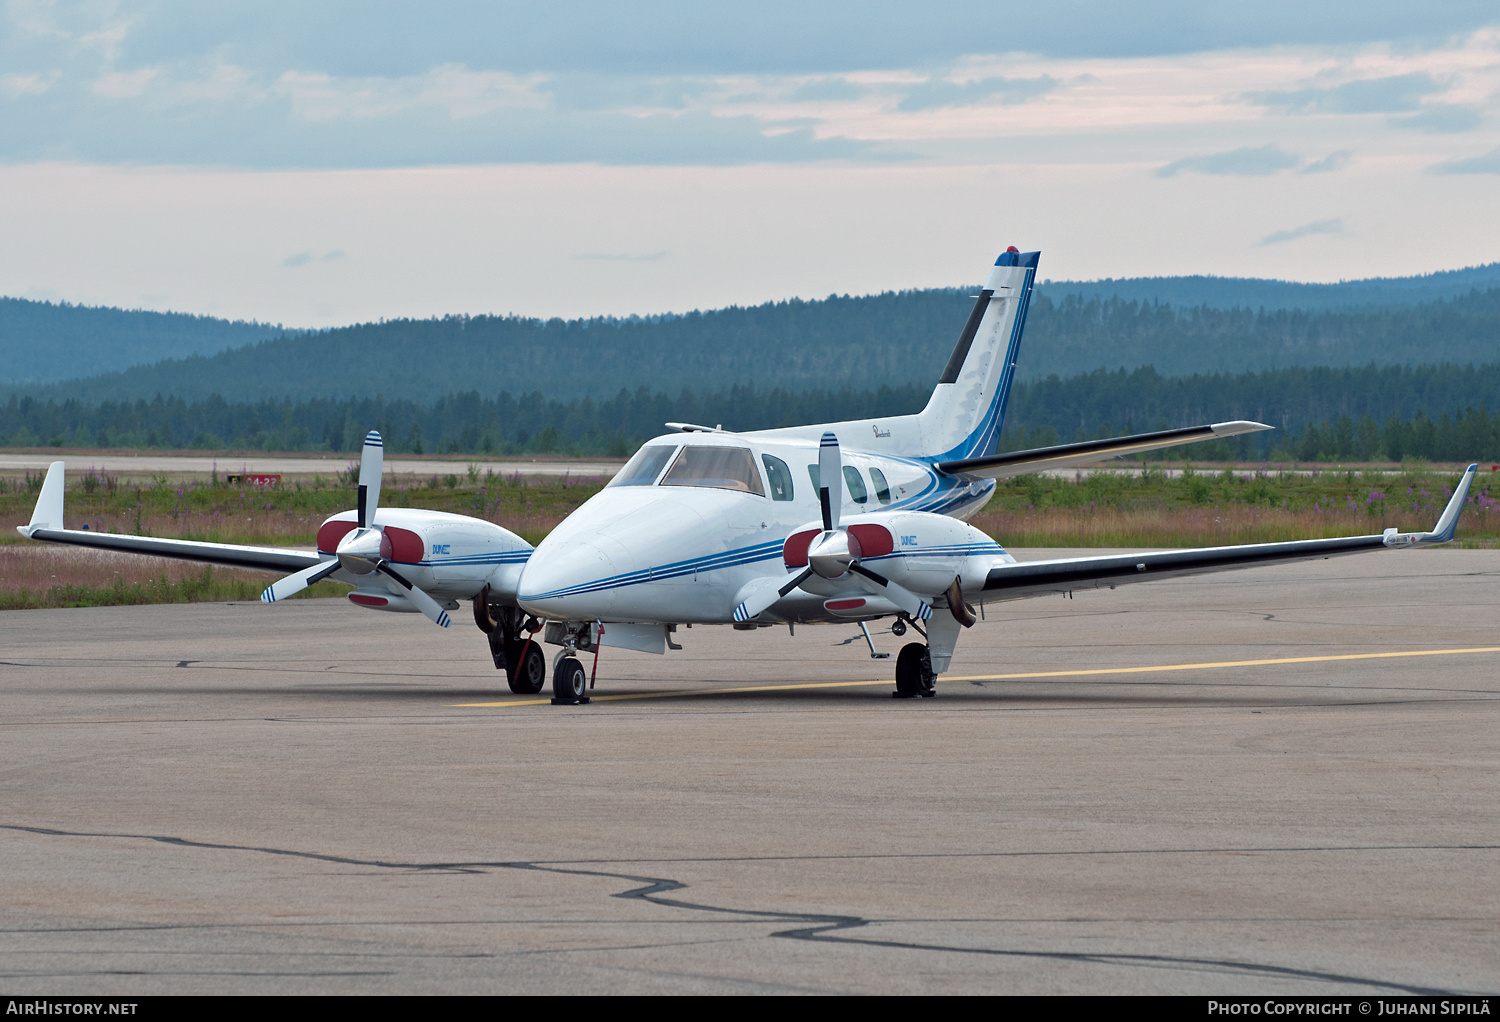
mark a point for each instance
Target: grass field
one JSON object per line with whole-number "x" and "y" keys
{"x": 1152, "y": 507}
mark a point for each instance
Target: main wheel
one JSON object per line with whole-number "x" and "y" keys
{"x": 571, "y": 682}
{"x": 526, "y": 674}
{"x": 914, "y": 675}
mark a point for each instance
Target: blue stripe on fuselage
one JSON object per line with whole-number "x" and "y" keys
{"x": 727, "y": 559}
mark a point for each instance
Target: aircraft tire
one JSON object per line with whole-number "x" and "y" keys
{"x": 913, "y": 672}
{"x": 570, "y": 683}
{"x": 529, "y": 677}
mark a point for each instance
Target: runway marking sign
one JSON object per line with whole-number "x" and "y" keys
{"x": 1085, "y": 673}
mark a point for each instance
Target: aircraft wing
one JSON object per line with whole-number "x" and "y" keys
{"x": 1038, "y": 578}
{"x": 47, "y": 525}
{"x": 1003, "y": 466}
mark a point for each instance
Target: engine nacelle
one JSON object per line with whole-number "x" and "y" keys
{"x": 921, "y": 551}
{"x": 446, "y": 555}
{"x": 373, "y": 600}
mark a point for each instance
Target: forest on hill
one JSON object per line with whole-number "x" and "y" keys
{"x": 43, "y": 342}
{"x": 1255, "y": 293}
{"x": 838, "y": 343}
{"x": 1371, "y": 413}
{"x": 48, "y": 342}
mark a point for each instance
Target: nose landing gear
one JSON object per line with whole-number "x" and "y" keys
{"x": 570, "y": 683}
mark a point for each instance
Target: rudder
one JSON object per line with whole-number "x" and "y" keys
{"x": 967, "y": 408}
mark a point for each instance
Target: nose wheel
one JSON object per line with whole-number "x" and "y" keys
{"x": 914, "y": 676}
{"x": 570, "y": 683}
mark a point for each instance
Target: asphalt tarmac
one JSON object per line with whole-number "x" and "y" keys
{"x": 1277, "y": 781}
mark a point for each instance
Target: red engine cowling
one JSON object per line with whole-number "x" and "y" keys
{"x": 921, "y": 551}
{"x": 400, "y": 545}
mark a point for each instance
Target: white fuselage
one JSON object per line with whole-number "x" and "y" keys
{"x": 655, "y": 552}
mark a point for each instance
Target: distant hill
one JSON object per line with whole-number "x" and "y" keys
{"x": 1252, "y": 293}
{"x": 43, "y": 342}
{"x": 861, "y": 344}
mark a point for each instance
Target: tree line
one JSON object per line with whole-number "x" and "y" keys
{"x": 1373, "y": 413}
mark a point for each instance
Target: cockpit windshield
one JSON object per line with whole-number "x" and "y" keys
{"x": 643, "y": 469}
{"x": 726, "y": 468}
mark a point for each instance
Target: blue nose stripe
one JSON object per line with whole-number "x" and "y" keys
{"x": 728, "y": 559}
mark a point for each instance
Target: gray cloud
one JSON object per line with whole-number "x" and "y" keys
{"x": 340, "y": 84}
{"x": 938, "y": 92}
{"x": 582, "y": 91}
{"x": 291, "y": 262}
{"x": 1248, "y": 161}
{"x": 348, "y": 126}
{"x": 1441, "y": 119}
{"x": 1393, "y": 94}
{"x": 1489, "y": 163}
{"x": 614, "y": 257}
{"x": 668, "y": 37}
{"x": 1333, "y": 161}
{"x": 1335, "y": 226}
{"x": 828, "y": 89}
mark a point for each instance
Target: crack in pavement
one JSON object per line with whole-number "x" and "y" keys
{"x": 817, "y": 927}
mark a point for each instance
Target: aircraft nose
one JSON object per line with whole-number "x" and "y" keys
{"x": 577, "y": 581}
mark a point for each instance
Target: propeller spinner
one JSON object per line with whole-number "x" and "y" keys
{"x": 363, "y": 550}
{"x": 835, "y": 552}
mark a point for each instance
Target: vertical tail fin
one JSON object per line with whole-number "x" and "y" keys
{"x": 963, "y": 417}
{"x": 48, "y": 513}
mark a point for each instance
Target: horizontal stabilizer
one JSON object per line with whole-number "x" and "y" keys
{"x": 1017, "y": 463}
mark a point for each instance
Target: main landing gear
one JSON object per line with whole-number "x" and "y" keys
{"x": 514, "y": 644}
{"x": 914, "y": 674}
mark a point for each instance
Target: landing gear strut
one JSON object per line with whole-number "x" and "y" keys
{"x": 914, "y": 676}
{"x": 570, "y": 680}
{"x": 513, "y": 644}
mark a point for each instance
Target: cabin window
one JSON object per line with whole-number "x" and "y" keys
{"x": 779, "y": 476}
{"x": 643, "y": 469}
{"x": 882, "y": 488}
{"x": 724, "y": 468}
{"x": 812, "y": 473}
{"x": 856, "y": 484}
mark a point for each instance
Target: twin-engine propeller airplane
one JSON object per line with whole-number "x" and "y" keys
{"x": 851, "y": 521}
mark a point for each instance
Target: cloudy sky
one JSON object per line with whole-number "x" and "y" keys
{"x": 315, "y": 164}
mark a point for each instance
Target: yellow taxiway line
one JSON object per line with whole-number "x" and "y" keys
{"x": 1091, "y": 672}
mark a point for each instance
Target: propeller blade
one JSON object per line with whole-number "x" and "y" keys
{"x": 902, "y": 597}
{"x": 293, "y": 584}
{"x": 426, "y": 604}
{"x": 371, "y": 465}
{"x": 767, "y": 595}
{"x": 830, "y": 481}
